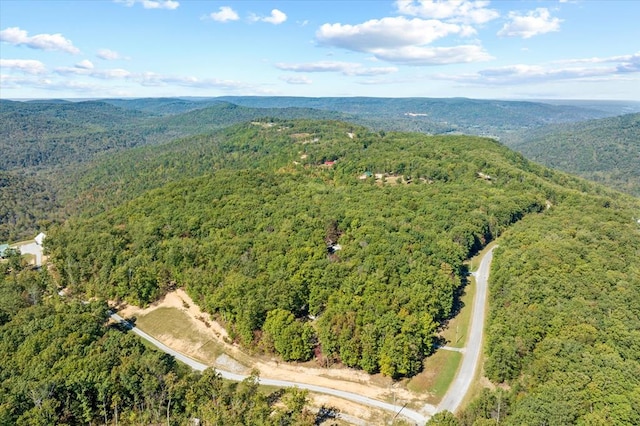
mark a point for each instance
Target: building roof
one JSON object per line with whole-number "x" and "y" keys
{"x": 40, "y": 238}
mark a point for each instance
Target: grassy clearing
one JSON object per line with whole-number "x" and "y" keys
{"x": 439, "y": 371}
{"x": 169, "y": 321}
{"x": 176, "y": 325}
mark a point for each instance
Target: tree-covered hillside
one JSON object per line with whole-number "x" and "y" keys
{"x": 435, "y": 115}
{"x": 605, "y": 150}
{"x": 64, "y": 364}
{"x": 50, "y": 134}
{"x": 328, "y": 240}
{"x": 44, "y": 144}
{"x": 28, "y": 203}
{"x": 286, "y": 222}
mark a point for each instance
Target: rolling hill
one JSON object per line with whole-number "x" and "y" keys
{"x": 605, "y": 150}
{"x": 326, "y": 239}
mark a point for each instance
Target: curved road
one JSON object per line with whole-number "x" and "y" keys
{"x": 450, "y": 402}
{"x": 404, "y": 412}
{"x": 471, "y": 356}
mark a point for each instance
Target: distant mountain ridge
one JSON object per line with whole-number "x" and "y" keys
{"x": 605, "y": 150}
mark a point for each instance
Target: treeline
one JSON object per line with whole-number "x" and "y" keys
{"x": 255, "y": 243}
{"x": 63, "y": 364}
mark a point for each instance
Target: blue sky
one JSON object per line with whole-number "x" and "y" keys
{"x": 566, "y": 49}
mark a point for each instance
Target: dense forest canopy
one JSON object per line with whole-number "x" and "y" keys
{"x": 55, "y": 139}
{"x": 564, "y": 329}
{"x": 252, "y": 238}
{"x": 314, "y": 238}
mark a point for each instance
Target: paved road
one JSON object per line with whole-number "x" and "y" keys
{"x": 471, "y": 356}
{"x": 415, "y": 416}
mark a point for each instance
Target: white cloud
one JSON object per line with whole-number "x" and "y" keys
{"x": 345, "y": 68}
{"x": 418, "y": 55}
{"x": 535, "y": 22}
{"x": 472, "y": 12}
{"x": 85, "y": 64}
{"x": 224, "y": 15}
{"x": 387, "y": 33}
{"x": 530, "y": 74}
{"x": 18, "y": 37}
{"x": 152, "y": 4}
{"x": 403, "y": 40}
{"x": 296, "y": 79}
{"x": 108, "y": 55}
{"x": 159, "y": 80}
{"x": 28, "y": 66}
{"x": 105, "y": 74}
{"x": 277, "y": 17}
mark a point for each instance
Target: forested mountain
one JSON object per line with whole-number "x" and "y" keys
{"x": 63, "y": 364}
{"x": 44, "y": 143}
{"x": 49, "y": 134}
{"x": 267, "y": 235}
{"x": 256, "y": 220}
{"x": 326, "y": 239}
{"x": 605, "y": 150}
{"x": 433, "y": 115}
{"x": 52, "y": 134}
{"x": 164, "y": 106}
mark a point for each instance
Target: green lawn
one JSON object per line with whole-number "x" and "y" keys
{"x": 439, "y": 371}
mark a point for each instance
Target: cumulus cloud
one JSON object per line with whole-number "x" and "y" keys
{"x": 533, "y": 23}
{"x": 386, "y": 33}
{"x": 345, "y": 68}
{"x": 610, "y": 67}
{"x": 28, "y": 66}
{"x": 402, "y": 40}
{"x": 296, "y": 79}
{"x": 108, "y": 55}
{"x": 19, "y": 37}
{"x": 472, "y": 12}
{"x": 277, "y": 17}
{"x": 225, "y": 14}
{"x": 152, "y": 4}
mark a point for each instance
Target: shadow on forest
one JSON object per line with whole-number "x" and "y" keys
{"x": 458, "y": 304}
